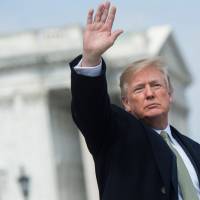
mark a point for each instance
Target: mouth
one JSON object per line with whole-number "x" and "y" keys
{"x": 152, "y": 105}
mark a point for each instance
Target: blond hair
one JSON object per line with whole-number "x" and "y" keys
{"x": 136, "y": 66}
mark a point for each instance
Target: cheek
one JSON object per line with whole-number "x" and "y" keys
{"x": 166, "y": 100}
{"x": 136, "y": 103}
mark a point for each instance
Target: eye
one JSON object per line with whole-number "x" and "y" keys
{"x": 138, "y": 90}
{"x": 156, "y": 85}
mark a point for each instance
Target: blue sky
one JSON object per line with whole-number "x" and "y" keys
{"x": 183, "y": 16}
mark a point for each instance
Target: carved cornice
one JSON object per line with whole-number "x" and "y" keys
{"x": 38, "y": 59}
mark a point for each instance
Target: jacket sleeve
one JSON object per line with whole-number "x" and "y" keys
{"x": 90, "y": 106}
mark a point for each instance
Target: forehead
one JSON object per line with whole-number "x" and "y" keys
{"x": 147, "y": 74}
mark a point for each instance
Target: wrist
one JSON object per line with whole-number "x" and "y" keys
{"x": 90, "y": 61}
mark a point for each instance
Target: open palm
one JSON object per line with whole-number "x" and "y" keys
{"x": 98, "y": 35}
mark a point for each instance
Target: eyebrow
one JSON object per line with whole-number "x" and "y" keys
{"x": 163, "y": 83}
{"x": 153, "y": 81}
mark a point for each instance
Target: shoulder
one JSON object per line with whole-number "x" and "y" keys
{"x": 185, "y": 139}
{"x": 123, "y": 119}
{"x": 120, "y": 113}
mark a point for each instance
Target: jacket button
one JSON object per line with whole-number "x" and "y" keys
{"x": 163, "y": 191}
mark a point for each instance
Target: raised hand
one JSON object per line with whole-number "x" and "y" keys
{"x": 98, "y": 35}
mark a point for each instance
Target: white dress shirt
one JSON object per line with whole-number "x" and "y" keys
{"x": 96, "y": 71}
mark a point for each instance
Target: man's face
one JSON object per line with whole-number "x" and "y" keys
{"x": 148, "y": 95}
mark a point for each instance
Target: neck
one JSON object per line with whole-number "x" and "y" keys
{"x": 156, "y": 122}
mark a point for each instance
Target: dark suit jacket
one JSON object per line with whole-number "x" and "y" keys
{"x": 132, "y": 161}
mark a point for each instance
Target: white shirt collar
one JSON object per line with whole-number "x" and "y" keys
{"x": 168, "y": 130}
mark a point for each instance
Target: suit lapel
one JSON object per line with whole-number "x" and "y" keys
{"x": 174, "y": 175}
{"x": 187, "y": 147}
{"x": 163, "y": 156}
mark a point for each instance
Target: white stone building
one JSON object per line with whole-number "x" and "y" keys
{"x": 36, "y": 129}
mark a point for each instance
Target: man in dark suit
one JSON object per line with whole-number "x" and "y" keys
{"x": 137, "y": 154}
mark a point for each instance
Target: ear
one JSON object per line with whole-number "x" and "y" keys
{"x": 170, "y": 97}
{"x": 126, "y": 105}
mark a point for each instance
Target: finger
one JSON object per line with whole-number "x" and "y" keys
{"x": 105, "y": 12}
{"x": 111, "y": 17}
{"x": 99, "y": 13}
{"x": 90, "y": 16}
{"x": 116, "y": 34}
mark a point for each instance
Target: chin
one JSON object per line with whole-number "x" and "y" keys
{"x": 153, "y": 113}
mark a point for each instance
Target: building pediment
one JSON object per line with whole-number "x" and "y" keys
{"x": 54, "y": 46}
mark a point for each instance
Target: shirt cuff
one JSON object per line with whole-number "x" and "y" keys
{"x": 93, "y": 71}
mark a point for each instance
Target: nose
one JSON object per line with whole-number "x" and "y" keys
{"x": 149, "y": 92}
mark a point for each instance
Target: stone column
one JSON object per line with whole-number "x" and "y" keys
{"x": 89, "y": 172}
{"x": 25, "y": 142}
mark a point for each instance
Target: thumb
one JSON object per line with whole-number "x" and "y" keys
{"x": 116, "y": 34}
